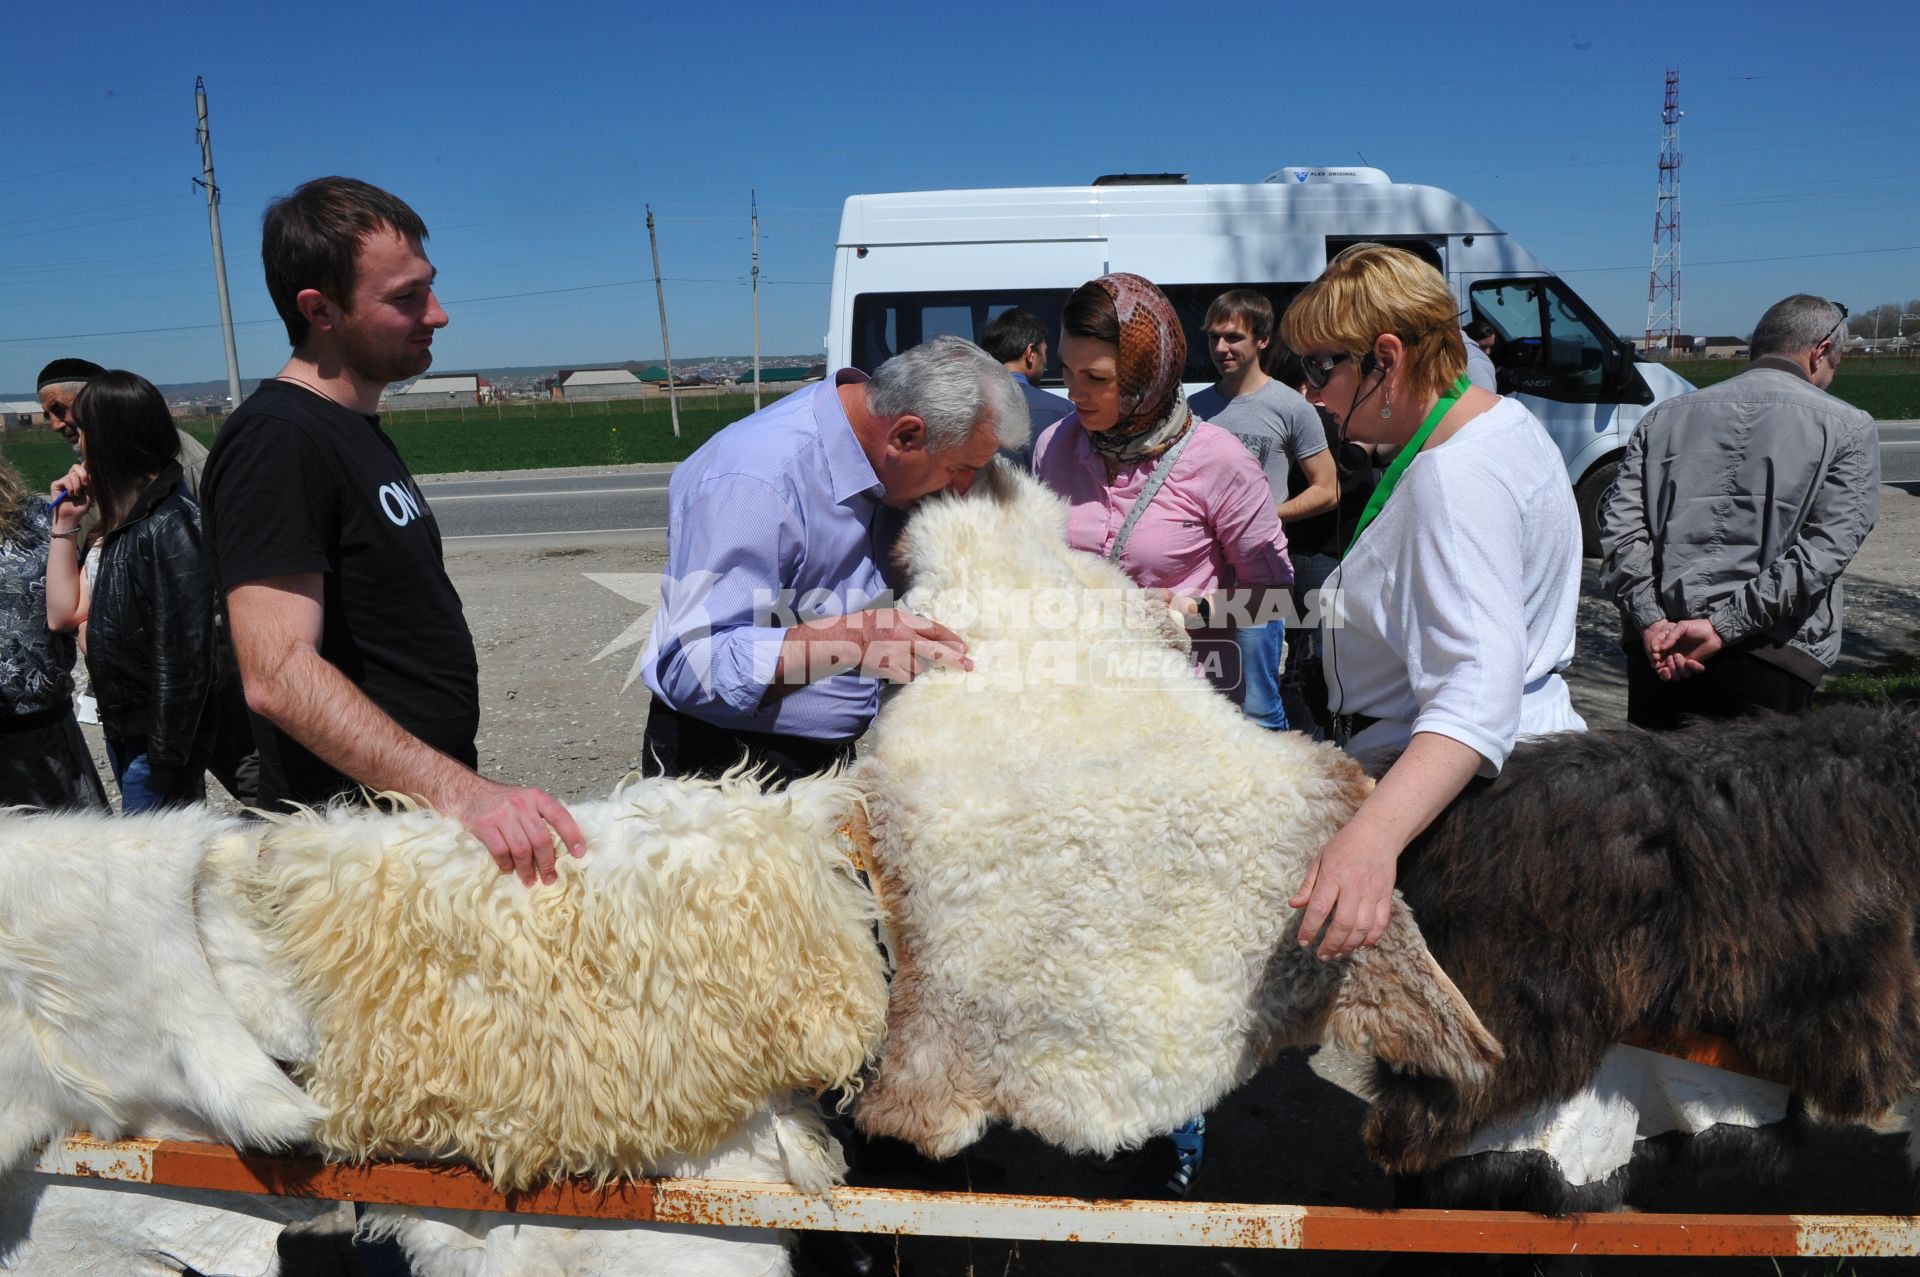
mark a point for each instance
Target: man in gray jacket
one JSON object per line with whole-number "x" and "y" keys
{"x": 1735, "y": 511}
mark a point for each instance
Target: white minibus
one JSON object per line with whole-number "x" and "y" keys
{"x": 914, "y": 265}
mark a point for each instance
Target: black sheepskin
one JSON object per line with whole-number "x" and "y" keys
{"x": 1758, "y": 880}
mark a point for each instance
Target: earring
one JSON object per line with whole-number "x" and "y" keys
{"x": 1386, "y": 406}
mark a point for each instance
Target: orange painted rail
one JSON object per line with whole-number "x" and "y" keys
{"x": 878, "y": 1210}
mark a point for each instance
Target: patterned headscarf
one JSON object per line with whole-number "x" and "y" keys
{"x": 1153, "y": 353}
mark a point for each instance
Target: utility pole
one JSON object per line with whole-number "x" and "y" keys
{"x": 666, "y": 347}
{"x": 219, "y": 254}
{"x": 754, "y": 198}
{"x": 1663, "y": 281}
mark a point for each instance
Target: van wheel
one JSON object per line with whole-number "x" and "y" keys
{"x": 1588, "y": 495}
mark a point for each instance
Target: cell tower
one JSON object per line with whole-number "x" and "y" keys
{"x": 1663, "y": 282}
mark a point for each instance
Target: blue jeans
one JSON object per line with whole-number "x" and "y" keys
{"x": 1260, "y": 649}
{"x": 131, "y": 771}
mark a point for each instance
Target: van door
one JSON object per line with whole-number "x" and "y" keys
{"x": 1555, "y": 356}
{"x": 1552, "y": 346}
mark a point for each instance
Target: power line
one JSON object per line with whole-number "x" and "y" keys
{"x": 463, "y": 301}
{"x": 1748, "y": 261}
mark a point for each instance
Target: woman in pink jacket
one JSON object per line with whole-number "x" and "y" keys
{"x": 1180, "y": 505}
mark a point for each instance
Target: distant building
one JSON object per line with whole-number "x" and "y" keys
{"x": 790, "y": 375}
{"x": 591, "y": 385}
{"x": 436, "y": 390}
{"x": 1720, "y": 347}
{"x": 20, "y": 414}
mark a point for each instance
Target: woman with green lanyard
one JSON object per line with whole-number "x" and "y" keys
{"x": 1460, "y": 583}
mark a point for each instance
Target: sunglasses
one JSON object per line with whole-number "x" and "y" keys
{"x": 1835, "y": 330}
{"x": 64, "y": 421}
{"x": 1318, "y": 368}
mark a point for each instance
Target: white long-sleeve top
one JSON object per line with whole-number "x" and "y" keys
{"x": 1459, "y": 600}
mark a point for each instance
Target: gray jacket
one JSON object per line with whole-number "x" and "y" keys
{"x": 1743, "y": 503}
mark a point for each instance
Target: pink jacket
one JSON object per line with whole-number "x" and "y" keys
{"x": 1210, "y": 526}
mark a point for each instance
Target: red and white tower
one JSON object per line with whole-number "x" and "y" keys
{"x": 1663, "y": 283}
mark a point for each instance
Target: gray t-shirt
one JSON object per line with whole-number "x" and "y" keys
{"x": 1277, "y": 425}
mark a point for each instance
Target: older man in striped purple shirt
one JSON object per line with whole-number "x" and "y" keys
{"x": 775, "y": 624}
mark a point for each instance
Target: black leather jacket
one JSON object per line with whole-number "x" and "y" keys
{"x": 151, "y": 646}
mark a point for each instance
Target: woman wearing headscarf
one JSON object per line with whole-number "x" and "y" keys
{"x": 1180, "y": 505}
{"x": 1459, "y": 585}
{"x": 44, "y": 762}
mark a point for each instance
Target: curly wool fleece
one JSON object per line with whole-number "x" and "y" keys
{"x": 712, "y": 952}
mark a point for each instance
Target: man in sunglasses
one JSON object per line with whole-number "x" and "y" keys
{"x": 60, "y": 383}
{"x": 1735, "y": 511}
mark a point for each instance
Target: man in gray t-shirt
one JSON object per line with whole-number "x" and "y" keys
{"x": 1281, "y": 430}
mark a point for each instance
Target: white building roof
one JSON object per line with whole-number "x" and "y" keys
{"x": 450, "y": 384}
{"x": 600, "y": 377}
{"x": 21, "y": 405}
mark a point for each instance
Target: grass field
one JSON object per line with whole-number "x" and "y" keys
{"x": 522, "y": 436}
{"x": 1898, "y": 680}
{"x": 1887, "y": 388}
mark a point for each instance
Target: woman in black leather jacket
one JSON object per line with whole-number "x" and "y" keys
{"x": 149, "y": 614}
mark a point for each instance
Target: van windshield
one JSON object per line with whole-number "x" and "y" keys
{"x": 884, "y": 324}
{"x": 1548, "y": 342}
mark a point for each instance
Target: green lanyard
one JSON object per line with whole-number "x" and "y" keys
{"x": 1378, "y": 501}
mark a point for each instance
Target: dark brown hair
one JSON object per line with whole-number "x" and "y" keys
{"x": 1249, "y": 307}
{"x": 129, "y": 437}
{"x": 311, "y": 239}
{"x": 1089, "y": 312}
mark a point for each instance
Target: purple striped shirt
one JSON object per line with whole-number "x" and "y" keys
{"x": 780, "y": 510}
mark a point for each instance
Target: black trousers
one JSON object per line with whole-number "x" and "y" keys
{"x": 236, "y": 759}
{"x": 1733, "y": 684}
{"x": 678, "y": 744}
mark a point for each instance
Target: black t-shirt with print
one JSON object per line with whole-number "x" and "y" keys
{"x": 296, "y": 483}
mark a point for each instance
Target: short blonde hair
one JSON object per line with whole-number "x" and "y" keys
{"x": 1370, "y": 289}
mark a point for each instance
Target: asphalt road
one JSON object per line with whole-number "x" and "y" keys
{"x": 551, "y": 507}
{"x": 585, "y": 508}
{"x": 1900, "y": 455}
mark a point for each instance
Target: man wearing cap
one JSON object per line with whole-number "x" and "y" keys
{"x": 60, "y": 383}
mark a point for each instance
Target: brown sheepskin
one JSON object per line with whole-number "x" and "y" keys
{"x": 1758, "y": 880}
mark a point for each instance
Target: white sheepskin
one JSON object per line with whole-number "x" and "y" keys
{"x": 53, "y": 1227}
{"x": 112, "y": 1015}
{"x": 1086, "y": 855}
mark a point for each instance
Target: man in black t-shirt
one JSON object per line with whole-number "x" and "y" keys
{"x": 352, "y": 643}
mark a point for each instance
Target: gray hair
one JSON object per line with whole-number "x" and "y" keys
{"x": 953, "y": 386}
{"x": 1795, "y": 325}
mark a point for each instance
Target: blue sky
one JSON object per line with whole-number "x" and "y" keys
{"x": 530, "y": 137}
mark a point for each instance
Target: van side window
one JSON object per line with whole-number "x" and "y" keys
{"x": 1550, "y": 344}
{"x": 884, "y": 324}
